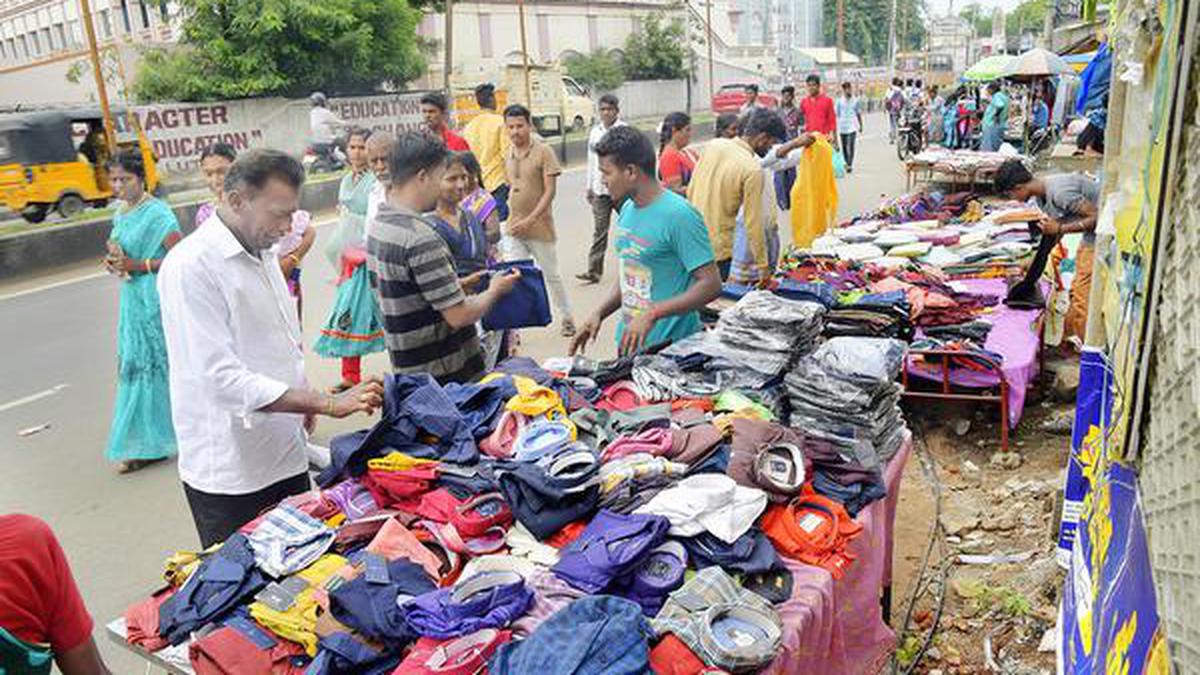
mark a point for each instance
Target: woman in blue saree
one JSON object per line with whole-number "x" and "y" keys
{"x": 144, "y": 229}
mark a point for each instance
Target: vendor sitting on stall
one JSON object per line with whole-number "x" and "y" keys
{"x": 667, "y": 271}
{"x": 1070, "y": 202}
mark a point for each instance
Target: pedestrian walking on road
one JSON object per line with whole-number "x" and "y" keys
{"x": 995, "y": 119}
{"x": 241, "y": 404}
{"x": 676, "y": 161}
{"x": 849, "y": 123}
{"x": 597, "y": 195}
{"x": 894, "y": 103}
{"x": 793, "y": 120}
{"x": 819, "y": 115}
{"x": 533, "y": 171}
{"x": 434, "y": 108}
{"x": 355, "y": 326}
{"x": 144, "y": 229}
{"x": 486, "y": 136}
{"x": 215, "y": 161}
{"x": 666, "y": 261}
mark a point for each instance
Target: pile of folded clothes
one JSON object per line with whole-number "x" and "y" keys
{"x": 766, "y": 331}
{"x": 638, "y": 511}
{"x": 846, "y": 393}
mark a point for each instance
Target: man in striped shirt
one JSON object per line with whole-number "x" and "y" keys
{"x": 428, "y": 317}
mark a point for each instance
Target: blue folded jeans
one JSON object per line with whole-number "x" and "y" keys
{"x": 527, "y": 305}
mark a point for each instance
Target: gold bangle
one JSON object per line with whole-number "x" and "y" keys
{"x": 295, "y": 258}
{"x": 147, "y": 264}
{"x": 329, "y": 406}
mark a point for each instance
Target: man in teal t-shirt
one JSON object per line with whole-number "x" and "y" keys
{"x": 667, "y": 272}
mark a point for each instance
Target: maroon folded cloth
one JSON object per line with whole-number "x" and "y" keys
{"x": 227, "y": 651}
{"x": 750, "y": 438}
{"x": 693, "y": 437}
{"x": 141, "y": 622}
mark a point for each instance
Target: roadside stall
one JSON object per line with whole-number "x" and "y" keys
{"x": 726, "y": 501}
{"x": 958, "y": 275}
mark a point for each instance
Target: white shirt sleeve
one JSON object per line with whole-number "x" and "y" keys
{"x": 773, "y": 162}
{"x": 197, "y": 326}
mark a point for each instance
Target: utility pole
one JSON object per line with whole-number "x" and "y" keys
{"x": 892, "y": 40}
{"x": 89, "y": 30}
{"x": 708, "y": 24}
{"x": 841, "y": 37}
{"x": 449, "y": 67}
{"x": 525, "y": 61}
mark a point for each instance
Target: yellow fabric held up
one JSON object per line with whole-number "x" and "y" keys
{"x": 814, "y": 194}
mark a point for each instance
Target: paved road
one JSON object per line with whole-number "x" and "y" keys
{"x": 57, "y": 335}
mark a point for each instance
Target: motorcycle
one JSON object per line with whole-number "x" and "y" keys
{"x": 323, "y": 157}
{"x": 910, "y": 134}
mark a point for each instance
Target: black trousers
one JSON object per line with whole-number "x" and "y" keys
{"x": 602, "y": 209}
{"x": 848, "y": 141}
{"x": 219, "y": 516}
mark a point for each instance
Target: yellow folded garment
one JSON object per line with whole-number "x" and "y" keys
{"x": 178, "y": 567}
{"x": 299, "y": 622}
{"x": 397, "y": 461}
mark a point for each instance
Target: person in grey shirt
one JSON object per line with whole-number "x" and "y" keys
{"x": 1071, "y": 204}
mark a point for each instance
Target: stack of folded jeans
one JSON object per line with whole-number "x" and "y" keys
{"x": 766, "y": 332}
{"x": 845, "y": 392}
{"x": 871, "y": 315}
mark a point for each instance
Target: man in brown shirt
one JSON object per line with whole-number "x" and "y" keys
{"x": 532, "y": 171}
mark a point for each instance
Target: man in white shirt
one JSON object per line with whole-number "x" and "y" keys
{"x": 379, "y": 148}
{"x": 239, "y": 398}
{"x": 597, "y": 193}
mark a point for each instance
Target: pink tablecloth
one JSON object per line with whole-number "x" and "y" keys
{"x": 837, "y": 626}
{"x": 1014, "y": 336}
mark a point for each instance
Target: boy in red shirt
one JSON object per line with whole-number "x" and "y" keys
{"x": 40, "y": 605}
{"x": 818, "y": 110}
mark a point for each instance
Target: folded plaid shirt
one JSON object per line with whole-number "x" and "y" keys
{"x": 288, "y": 540}
{"x": 687, "y": 611}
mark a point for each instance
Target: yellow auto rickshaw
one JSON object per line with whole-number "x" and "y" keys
{"x": 44, "y": 165}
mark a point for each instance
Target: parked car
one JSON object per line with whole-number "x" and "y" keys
{"x": 731, "y": 98}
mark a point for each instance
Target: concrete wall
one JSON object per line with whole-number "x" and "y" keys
{"x": 653, "y": 98}
{"x": 28, "y": 252}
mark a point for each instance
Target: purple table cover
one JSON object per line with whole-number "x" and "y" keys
{"x": 1014, "y": 335}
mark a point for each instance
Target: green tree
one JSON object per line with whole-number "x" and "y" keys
{"x": 1028, "y": 17}
{"x": 979, "y": 17}
{"x": 598, "y": 70}
{"x": 656, "y": 51}
{"x": 240, "y": 48}
{"x": 866, "y": 27}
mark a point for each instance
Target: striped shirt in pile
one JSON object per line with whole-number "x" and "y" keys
{"x": 412, "y": 271}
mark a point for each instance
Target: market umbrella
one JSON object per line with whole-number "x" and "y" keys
{"x": 990, "y": 68}
{"x": 1037, "y": 62}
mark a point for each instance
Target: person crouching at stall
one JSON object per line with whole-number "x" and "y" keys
{"x": 1070, "y": 202}
{"x": 467, "y": 239}
{"x": 355, "y": 327}
{"x": 667, "y": 269}
{"x": 144, "y": 229}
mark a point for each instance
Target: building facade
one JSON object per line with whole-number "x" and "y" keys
{"x": 41, "y": 42}
{"x": 955, "y": 37}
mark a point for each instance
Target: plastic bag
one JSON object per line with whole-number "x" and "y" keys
{"x": 839, "y": 164}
